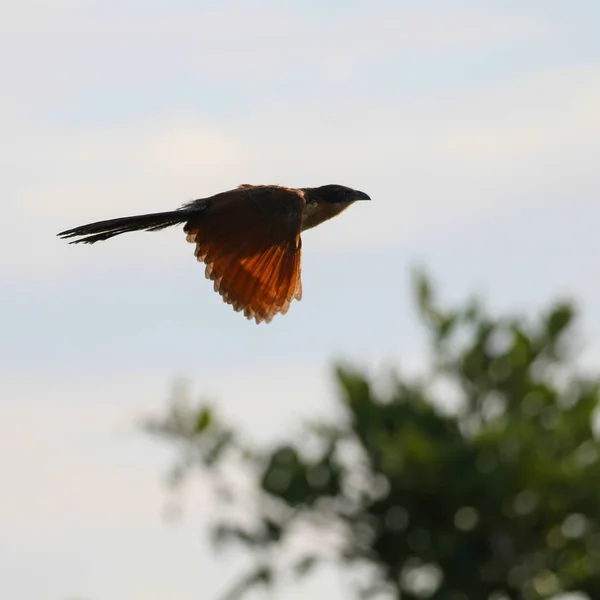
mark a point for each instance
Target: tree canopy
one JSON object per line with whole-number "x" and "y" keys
{"x": 477, "y": 479}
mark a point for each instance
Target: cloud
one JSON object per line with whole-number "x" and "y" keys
{"x": 467, "y": 152}
{"x": 124, "y": 165}
{"x": 75, "y": 52}
{"x": 235, "y": 26}
{"x": 63, "y": 442}
{"x": 112, "y": 110}
{"x": 424, "y": 155}
{"x": 76, "y": 445}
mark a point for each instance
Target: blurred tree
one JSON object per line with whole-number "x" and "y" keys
{"x": 495, "y": 498}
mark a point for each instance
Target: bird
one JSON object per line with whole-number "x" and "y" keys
{"x": 249, "y": 239}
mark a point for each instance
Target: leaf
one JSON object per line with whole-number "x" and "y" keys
{"x": 204, "y": 420}
{"x": 559, "y": 320}
{"x": 424, "y": 291}
{"x": 224, "y": 441}
{"x": 446, "y": 327}
{"x": 305, "y": 565}
{"x": 261, "y": 575}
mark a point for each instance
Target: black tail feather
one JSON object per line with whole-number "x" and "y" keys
{"x": 104, "y": 230}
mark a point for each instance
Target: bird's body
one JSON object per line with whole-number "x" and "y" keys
{"x": 248, "y": 237}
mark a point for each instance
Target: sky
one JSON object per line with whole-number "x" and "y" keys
{"x": 473, "y": 126}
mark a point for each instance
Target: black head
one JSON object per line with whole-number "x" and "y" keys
{"x": 335, "y": 194}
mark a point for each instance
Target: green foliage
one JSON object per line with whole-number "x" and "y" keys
{"x": 495, "y": 497}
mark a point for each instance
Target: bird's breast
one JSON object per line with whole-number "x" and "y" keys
{"x": 315, "y": 213}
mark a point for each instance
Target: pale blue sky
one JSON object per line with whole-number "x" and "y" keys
{"x": 473, "y": 126}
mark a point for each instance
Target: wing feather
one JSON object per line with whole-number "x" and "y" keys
{"x": 251, "y": 245}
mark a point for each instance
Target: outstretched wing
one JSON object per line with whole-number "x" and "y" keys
{"x": 249, "y": 239}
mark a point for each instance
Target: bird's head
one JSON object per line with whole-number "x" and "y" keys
{"x": 335, "y": 194}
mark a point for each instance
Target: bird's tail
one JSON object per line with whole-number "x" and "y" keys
{"x": 103, "y": 230}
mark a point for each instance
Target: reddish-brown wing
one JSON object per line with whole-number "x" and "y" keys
{"x": 249, "y": 239}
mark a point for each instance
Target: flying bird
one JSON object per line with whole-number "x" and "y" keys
{"x": 249, "y": 238}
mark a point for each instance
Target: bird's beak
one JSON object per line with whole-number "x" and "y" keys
{"x": 361, "y": 196}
